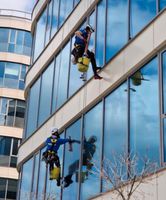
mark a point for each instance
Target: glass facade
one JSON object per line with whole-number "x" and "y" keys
{"x": 106, "y": 42}
{"x": 126, "y": 121}
{"x": 8, "y": 188}
{"x": 15, "y": 41}
{"x": 51, "y": 19}
{"x": 12, "y": 75}
{"x": 12, "y": 112}
{"x": 8, "y": 151}
{"x": 144, "y": 116}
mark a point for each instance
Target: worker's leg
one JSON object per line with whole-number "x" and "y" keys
{"x": 93, "y": 62}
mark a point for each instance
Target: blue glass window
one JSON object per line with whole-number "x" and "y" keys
{"x": 117, "y": 28}
{"x": 100, "y": 33}
{"x": 55, "y": 17}
{"x": 42, "y": 178}
{"x": 162, "y": 4}
{"x": 63, "y": 75}
{"x": 40, "y": 34}
{"x": 144, "y": 116}
{"x": 35, "y": 176}
{"x": 142, "y": 12}
{"x": 46, "y": 94}
{"x": 26, "y": 179}
{"x": 115, "y": 127}
{"x": 48, "y": 26}
{"x": 72, "y": 160}
{"x": 91, "y": 152}
{"x": 33, "y": 108}
{"x": 164, "y": 79}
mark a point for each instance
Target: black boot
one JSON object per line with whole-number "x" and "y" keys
{"x": 68, "y": 180}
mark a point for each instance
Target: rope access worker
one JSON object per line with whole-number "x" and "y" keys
{"x": 51, "y": 154}
{"x": 81, "y": 39}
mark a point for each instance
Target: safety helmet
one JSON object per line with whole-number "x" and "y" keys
{"x": 89, "y": 27}
{"x": 54, "y": 131}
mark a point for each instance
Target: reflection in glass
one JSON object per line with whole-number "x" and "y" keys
{"x": 12, "y": 189}
{"x": 164, "y": 79}
{"x": 144, "y": 113}
{"x": 141, "y": 14}
{"x": 71, "y": 161}
{"x": 42, "y": 178}
{"x": 35, "y": 176}
{"x": 33, "y": 108}
{"x": 3, "y": 183}
{"x": 63, "y": 75}
{"x": 26, "y": 180}
{"x": 48, "y": 26}
{"x": 162, "y": 4}
{"x": 91, "y": 152}
{"x": 115, "y": 126}
{"x": 40, "y": 34}
{"x": 46, "y": 94}
{"x": 100, "y": 33}
{"x": 117, "y": 31}
{"x": 55, "y": 17}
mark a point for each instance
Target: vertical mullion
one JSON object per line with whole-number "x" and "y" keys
{"x": 128, "y": 121}
{"x": 105, "y": 32}
{"x": 129, "y": 10}
{"x": 160, "y": 81}
{"x": 68, "y": 82}
{"x": 52, "y": 93}
{"x": 39, "y": 101}
{"x": 47, "y": 12}
{"x": 11, "y": 149}
{"x": 102, "y": 144}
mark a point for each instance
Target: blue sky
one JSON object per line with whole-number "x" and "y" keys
{"x": 23, "y": 5}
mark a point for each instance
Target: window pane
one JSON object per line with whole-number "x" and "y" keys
{"x": 33, "y": 108}
{"x": 141, "y": 14}
{"x": 2, "y": 69}
{"x": 12, "y": 36}
{"x": 100, "y": 33}
{"x": 35, "y": 176}
{"x": 63, "y": 76}
{"x": 117, "y": 29}
{"x": 5, "y": 145}
{"x": 164, "y": 79}
{"x": 91, "y": 152}
{"x": 11, "y": 78}
{"x": 55, "y": 17}
{"x": 26, "y": 180}
{"x": 115, "y": 126}
{"x": 4, "y": 34}
{"x": 162, "y": 4}
{"x": 72, "y": 159}
{"x": 15, "y": 146}
{"x": 62, "y": 12}
{"x": 42, "y": 178}
{"x": 46, "y": 94}
{"x": 3, "y": 183}
{"x": 56, "y": 81}
{"x": 144, "y": 113}
{"x": 11, "y": 113}
{"x": 20, "y": 37}
{"x": 48, "y": 27}
{"x": 40, "y": 34}
{"x": 12, "y": 189}
{"x": 13, "y": 161}
{"x": 20, "y": 111}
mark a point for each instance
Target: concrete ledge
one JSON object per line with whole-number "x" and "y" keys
{"x": 11, "y": 132}
{"x": 8, "y": 172}
{"x": 12, "y": 93}
{"x": 13, "y": 57}
{"x": 14, "y": 22}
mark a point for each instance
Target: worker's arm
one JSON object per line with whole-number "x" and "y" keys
{"x": 79, "y": 34}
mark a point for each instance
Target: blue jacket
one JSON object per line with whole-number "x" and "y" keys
{"x": 54, "y": 144}
{"x": 79, "y": 40}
